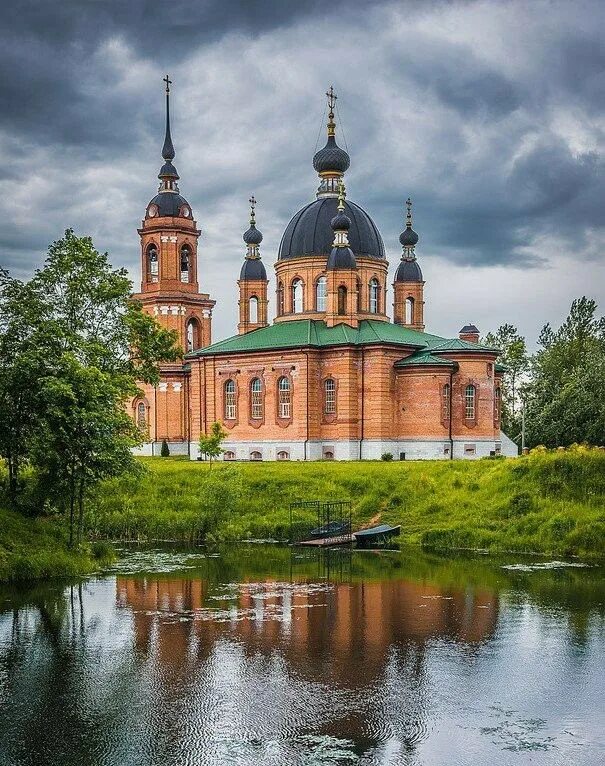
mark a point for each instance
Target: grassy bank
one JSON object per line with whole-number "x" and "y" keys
{"x": 550, "y": 502}
{"x": 37, "y": 549}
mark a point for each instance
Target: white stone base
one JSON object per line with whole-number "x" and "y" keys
{"x": 468, "y": 449}
{"x": 154, "y": 449}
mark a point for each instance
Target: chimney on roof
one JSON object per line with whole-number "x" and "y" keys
{"x": 470, "y": 333}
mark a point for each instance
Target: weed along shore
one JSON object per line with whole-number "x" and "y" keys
{"x": 549, "y": 502}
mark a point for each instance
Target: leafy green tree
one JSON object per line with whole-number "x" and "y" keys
{"x": 566, "y": 394}
{"x": 165, "y": 450}
{"x": 210, "y": 444}
{"x": 515, "y": 358}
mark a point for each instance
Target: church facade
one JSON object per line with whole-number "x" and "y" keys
{"x": 331, "y": 376}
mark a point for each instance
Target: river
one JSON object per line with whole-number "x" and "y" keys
{"x": 260, "y": 654}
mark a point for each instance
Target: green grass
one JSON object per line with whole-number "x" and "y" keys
{"x": 32, "y": 549}
{"x": 549, "y": 502}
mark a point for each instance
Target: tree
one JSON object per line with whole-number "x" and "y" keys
{"x": 566, "y": 394}
{"x": 515, "y": 358}
{"x": 165, "y": 449}
{"x": 78, "y": 346}
{"x": 210, "y": 444}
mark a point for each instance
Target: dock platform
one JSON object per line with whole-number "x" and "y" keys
{"x": 325, "y": 542}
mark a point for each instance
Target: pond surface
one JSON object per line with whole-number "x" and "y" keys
{"x": 266, "y": 655}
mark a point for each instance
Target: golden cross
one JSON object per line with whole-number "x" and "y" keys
{"x": 331, "y": 98}
{"x": 408, "y": 203}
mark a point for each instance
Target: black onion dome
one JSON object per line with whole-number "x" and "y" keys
{"x": 331, "y": 157}
{"x": 310, "y": 231}
{"x": 168, "y": 171}
{"x": 253, "y": 236}
{"x": 408, "y": 237}
{"x": 341, "y": 258}
{"x": 340, "y": 222}
{"x": 408, "y": 271}
{"x": 169, "y": 204}
{"x": 253, "y": 269}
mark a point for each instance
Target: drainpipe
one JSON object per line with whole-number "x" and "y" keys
{"x": 362, "y": 403}
{"x": 450, "y": 409}
{"x": 307, "y": 414}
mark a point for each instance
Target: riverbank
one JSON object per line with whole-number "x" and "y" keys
{"x": 36, "y": 549}
{"x": 548, "y": 502}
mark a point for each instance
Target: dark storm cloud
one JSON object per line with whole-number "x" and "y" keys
{"x": 489, "y": 114}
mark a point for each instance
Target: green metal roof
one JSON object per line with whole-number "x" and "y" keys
{"x": 315, "y": 333}
{"x": 421, "y": 358}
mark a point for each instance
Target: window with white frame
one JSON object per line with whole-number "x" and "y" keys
{"x": 321, "y": 294}
{"x": 470, "y": 404}
{"x": 283, "y": 455}
{"x": 256, "y": 399}
{"x": 185, "y": 263}
{"x": 445, "y": 402}
{"x": 497, "y": 403}
{"x": 256, "y": 455}
{"x": 253, "y": 309}
{"x": 330, "y": 396}
{"x": 409, "y": 310}
{"x": 297, "y": 296}
{"x": 230, "y": 400}
{"x": 153, "y": 262}
{"x": 191, "y": 335}
{"x": 141, "y": 415}
{"x": 284, "y": 390}
{"x": 229, "y": 455}
{"x": 374, "y": 296}
{"x": 281, "y": 309}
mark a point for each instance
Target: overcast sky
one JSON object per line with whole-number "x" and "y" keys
{"x": 490, "y": 115}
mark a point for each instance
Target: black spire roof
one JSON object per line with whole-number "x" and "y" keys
{"x": 408, "y": 269}
{"x": 408, "y": 237}
{"x": 253, "y": 268}
{"x": 341, "y": 256}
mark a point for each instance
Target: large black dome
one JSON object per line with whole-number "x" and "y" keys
{"x": 168, "y": 204}
{"x": 310, "y": 231}
{"x": 253, "y": 269}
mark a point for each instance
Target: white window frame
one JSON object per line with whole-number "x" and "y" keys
{"x": 298, "y": 302}
{"x": 256, "y": 399}
{"x": 329, "y": 396}
{"x": 321, "y": 294}
{"x": 374, "y": 304}
{"x": 284, "y": 388}
{"x": 230, "y": 400}
{"x": 470, "y": 402}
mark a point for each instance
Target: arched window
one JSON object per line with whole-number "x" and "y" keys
{"x": 230, "y": 400}
{"x": 328, "y": 455}
{"x": 470, "y": 405}
{"x": 253, "y": 310}
{"x": 283, "y": 455}
{"x": 192, "y": 335}
{"x": 256, "y": 399}
{"x": 374, "y": 296}
{"x": 153, "y": 263}
{"x": 445, "y": 402}
{"x": 359, "y": 295}
{"x": 185, "y": 263}
{"x": 297, "y": 296}
{"x": 409, "y": 311}
{"x": 321, "y": 293}
{"x": 342, "y": 300}
{"x": 256, "y": 455}
{"x": 497, "y": 403}
{"x": 229, "y": 455}
{"x": 281, "y": 309}
{"x": 329, "y": 396}
{"x": 141, "y": 415}
{"x": 284, "y": 390}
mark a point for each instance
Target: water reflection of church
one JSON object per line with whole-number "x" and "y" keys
{"x": 358, "y": 641}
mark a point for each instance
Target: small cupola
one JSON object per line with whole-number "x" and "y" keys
{"x": 342, "y": 256}
{"x": 469, "y": 333}
{"x": 408, "y": 269}
{"x": 253, "y": 268}
{"x": 331, "y": 162}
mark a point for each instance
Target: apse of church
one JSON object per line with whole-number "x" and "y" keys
{"x": 331, "y": 376}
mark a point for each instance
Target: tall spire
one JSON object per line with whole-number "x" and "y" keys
{"x": 330, "y": 162}
{"x": 168, "y": 173}
{"x": 331, "y": 104}
{"x": 408, "y": 237}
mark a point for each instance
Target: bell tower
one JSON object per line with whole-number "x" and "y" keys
{"x": 408, "y": 308}
{"x": 252, "y": 282}
{"x": 169, "y": 242}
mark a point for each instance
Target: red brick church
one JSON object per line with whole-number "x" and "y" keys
{"x": 331, "y": 377}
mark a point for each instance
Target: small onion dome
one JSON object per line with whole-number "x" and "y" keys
{"x": 253, "y": 269}
{"x": 408, "y": 238}
{"x": 341, "y": 221}
{"x": 331, "y": 157}
{"x": 408, "y": 271}
{"x": 341, "y": 258}
{"x": 253, "y": 236}
{"x": 168, "y": 171}
{"x": 469, "y": 329}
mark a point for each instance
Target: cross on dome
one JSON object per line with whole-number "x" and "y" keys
{"x": 168, "y": 82}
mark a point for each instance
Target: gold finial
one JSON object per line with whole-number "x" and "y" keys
{"x": 408, "y": 204}
{"x": 342, "y": 195}
{"x": 252, "y": 202}
{"x": 331, "y": 104}
{"x": 168, "y": 82}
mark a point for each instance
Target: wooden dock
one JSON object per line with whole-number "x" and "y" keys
{"x": 325, "y": 542}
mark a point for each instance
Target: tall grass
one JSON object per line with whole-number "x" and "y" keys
{"x": 551, "y": 502}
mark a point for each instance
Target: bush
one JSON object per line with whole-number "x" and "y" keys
{"x": 386, "y": 456}
{"x": 165, "y": 451}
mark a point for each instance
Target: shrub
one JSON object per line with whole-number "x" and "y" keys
{"x": 387, "y": 456}
{"x": 165, "y": 451}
